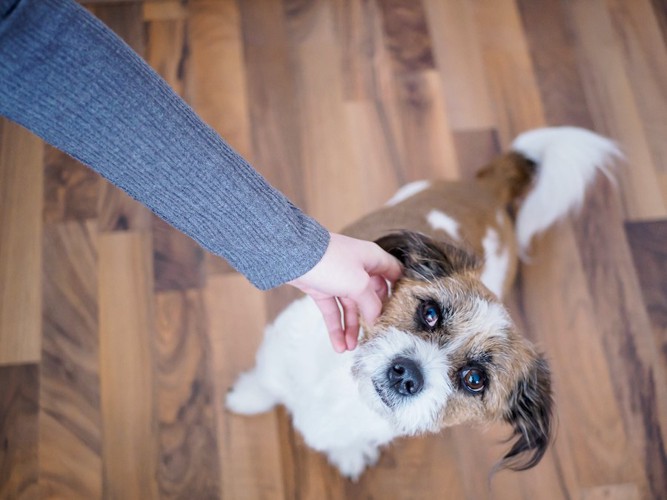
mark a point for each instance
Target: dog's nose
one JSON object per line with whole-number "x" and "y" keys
{"x": 405, "y": 377}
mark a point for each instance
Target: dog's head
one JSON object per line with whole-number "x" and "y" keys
{"x": 445, "y": 351}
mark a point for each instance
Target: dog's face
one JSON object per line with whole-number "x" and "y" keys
{"x": 445, "y": 351}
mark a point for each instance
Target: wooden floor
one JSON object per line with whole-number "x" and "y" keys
{"x": 119, "y": 336}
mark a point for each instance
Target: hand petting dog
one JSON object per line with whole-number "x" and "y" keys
{"x": 350, "y": 279}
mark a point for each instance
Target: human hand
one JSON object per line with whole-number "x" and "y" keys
{"x": 353, "y": 273}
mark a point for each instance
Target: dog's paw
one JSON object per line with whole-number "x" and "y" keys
{"x": 351, "y": 462}
{"x": 248, "y": 397}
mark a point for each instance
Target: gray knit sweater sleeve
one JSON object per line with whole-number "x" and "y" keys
{"x": 70, "y": 80}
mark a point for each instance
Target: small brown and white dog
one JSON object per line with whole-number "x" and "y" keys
{"x": 444, "y": 350}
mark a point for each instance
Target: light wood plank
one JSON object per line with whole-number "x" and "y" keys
{"x": 644, "y": 56}
{"x": 189, "y": 464}
{"x": 127, "y": 358}
{"x": 429, "y": 145}
{"x": 250, "y": 458}
{"x": 509, "y": 70}
{"x": 70, "y": 423}
{"x": 459, "y": 60}
{"x": 215, "y": 80}
{"x": 613, "y": 107}
{"x": 331, "y": 198}
{"x": 21, "y": 194}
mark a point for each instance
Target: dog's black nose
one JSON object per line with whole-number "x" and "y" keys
{"x": 405, "y": 377}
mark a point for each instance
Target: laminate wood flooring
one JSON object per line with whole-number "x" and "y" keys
{"x": 119, "y": 336}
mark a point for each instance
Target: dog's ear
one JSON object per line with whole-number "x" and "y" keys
{"x": 530, "y": 413}
{"x": 425, "y": 258}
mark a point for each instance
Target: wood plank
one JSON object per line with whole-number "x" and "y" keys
{"x": 116, "y": 210}
{"x": 371, "y": 99}
{"x": 273, "y": 104}
{"x": 127, "y": 387}
{"x": 557, "y": 304}
{"x": 509, "y": 70}
{"x": 613, "y": 107}
{"x": 475, "y": 149}
{"x": 429, "y": 146}
{"x": 458, "y": 56}
{"x": 70, "y": 188}
{"x": 644, "y": 55}
{"x": 165, "y": 47}
{"x": 189, "y": 464}
{"x": 627, "y": 334}
{"x": 407, "y": 35}
{"x": 549, "y": 36}
{"x": 648, "y": 244}
{"x": 331, "y": 198}
{"x": 19, "y": 432}
{"x": 381, "y": 174}
{"x": 178, "y": 262}
{"x": 21, "y": 194}
{"x": 70, "y": 420}
{"x": 215, "y": 79}
{"x": 250, "y": 457}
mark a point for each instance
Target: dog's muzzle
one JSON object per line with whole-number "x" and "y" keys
{"x": 405, "y": 377}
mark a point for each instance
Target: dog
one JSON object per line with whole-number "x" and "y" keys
{"x": 444, "y": 350}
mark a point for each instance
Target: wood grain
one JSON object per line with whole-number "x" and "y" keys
{"x": 21, "y": 195}
{"x": 127, "y": 357}
{"x": 250, "y": 457}
{"x": 188, "y": 465}
{"x": 70, "y": 422}
{"x": 647, "y": 242}
{"x": 337, "y": 103}
{"x": 19, "y": 410}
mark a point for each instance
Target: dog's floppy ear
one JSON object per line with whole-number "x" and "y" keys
{"x": 425, "y": 258}
{"x": 530, "y": 413}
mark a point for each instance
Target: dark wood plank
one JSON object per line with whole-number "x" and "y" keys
{"x": 552, "y": 46}
{"x": 178, "y": 262}
{"x": 19, "y": 432}
{"x": 71, "y": 189}
{"x": 407, "y": 35}
{"x": 189, "y": 463}
{"x": 627, "y": 334}
{"x": 70, "y": 421}
{"x": 648, "y": 243}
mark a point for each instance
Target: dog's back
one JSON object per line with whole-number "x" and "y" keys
{"x": 495, "y": 215}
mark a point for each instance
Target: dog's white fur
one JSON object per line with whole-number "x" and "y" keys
{"x": 332, "y": 398}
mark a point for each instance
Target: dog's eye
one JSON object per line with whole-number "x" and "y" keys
{"x": 473, "y": 379}
{"x": 429, "y": 313}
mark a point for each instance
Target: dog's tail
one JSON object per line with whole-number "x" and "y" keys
{"x": 547, "y": 174}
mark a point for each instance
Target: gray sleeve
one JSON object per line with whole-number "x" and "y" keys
{"x": 70, "y": 80}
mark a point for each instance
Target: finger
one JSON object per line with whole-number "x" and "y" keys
{"x": 369, "y": 304}
{"x": 332, "y": 319}
{"x": 384, "y": 264}
{"x": 380, "y": 287}
{"x": 351, "y": 319}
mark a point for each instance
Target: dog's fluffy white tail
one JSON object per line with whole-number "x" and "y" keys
{"x": 568, "y": 159}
